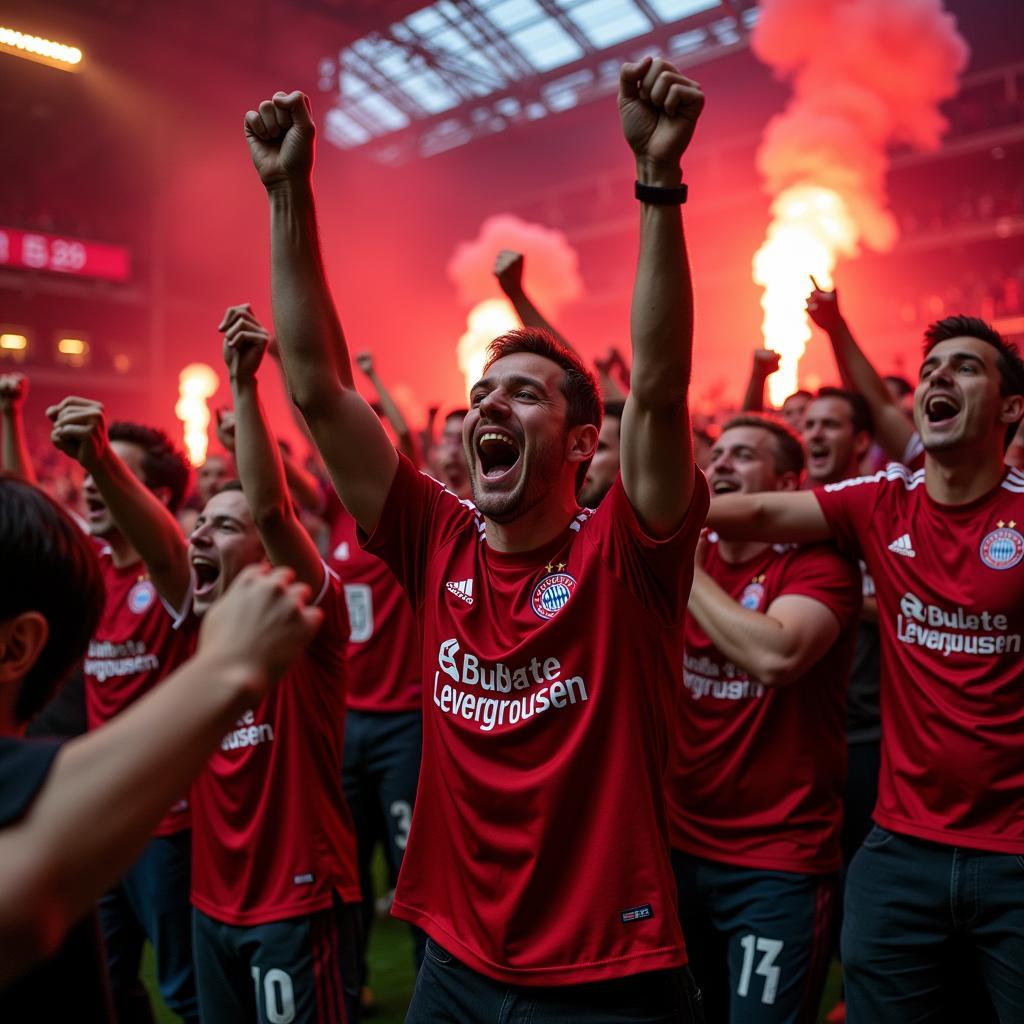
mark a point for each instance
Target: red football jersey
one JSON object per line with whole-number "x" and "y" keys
{"x": 538, "y": 852}
{"x": 757, "y": 772}
{"x": 273, "y": 837}
{"x": 384, "y": 646}
{"x": 135, "y": 645}
{"x": 949, "y": 582}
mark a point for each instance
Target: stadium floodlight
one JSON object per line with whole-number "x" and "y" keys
{"x": 42, "y": 51}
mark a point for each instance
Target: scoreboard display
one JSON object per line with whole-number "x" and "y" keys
{"x": 61, "y": 254}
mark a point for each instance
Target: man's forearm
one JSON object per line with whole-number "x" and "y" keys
{"x": 531, "y": 316}
{"x": 145, "y": 521}
{"x": 314, "y": 354}
{"x": 661, "y": 317}
{"x": 257, "y": 456}
{"x": 394, "y": 415}
{"x": 892, "y": 427}
{"x": 755, "y": 642}
{"x": 753, "y": 400}
{"x": 14, "y": 457}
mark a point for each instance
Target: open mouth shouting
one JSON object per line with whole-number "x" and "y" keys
{"x": 724, "y": 485}
{"x": 941, "y": 409}
{"x": 498, "y": 455}
{"x": 818, "y": 455}
{"x": 205, "y": 574}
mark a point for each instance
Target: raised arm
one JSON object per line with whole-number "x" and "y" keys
{"x": 108, "y": 789}
{"x": 892, "y": 428}
{"x": 14, "y": 457}
{"x": 354, "y": 444}
{"x": 80, "y": 430}
{"x": 508, "y": 269}
{"x": 392, "y": 412}
{"x": 258, "y": 457}
{"x": 766, "y": 362}
{"x": 776, "y": 516}
{"x": 659, "y": 110}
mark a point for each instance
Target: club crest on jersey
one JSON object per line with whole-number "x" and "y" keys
{"x": 552, "y": 594}
{"x": 751, "y": 596}
{"x": 141, "y": 596}
{"x": 1003, "y": 548}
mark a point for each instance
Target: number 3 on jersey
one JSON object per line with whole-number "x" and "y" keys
{"x": 769, "y": 950}
{"x": 359, "y": 599}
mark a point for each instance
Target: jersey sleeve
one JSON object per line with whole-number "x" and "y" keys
{"x": 824, "y": 575}
{"x": 419, "y": 516}
{"x": 848, "y": 507}
{"x": 658, "y": 571}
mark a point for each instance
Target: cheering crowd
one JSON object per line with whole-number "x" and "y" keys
{"x": 650, "y": 722}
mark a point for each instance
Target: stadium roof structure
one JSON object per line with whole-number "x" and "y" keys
{"x": 459, "y": 70}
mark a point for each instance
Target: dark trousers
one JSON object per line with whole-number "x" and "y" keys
{"x": 380, "y": 772}
{"x": 449, "y": 992}
{"x": 303, "y": 970}
{"x": 911, "y": 905}
{"x": 758, "y": 941}
{"x": 152, "y": 902}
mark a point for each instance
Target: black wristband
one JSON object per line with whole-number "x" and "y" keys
{"x": 675, "y": 195}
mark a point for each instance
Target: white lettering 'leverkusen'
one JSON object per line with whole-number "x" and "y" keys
{"x": 953, "y": 632}
{"x": 542, "y": 681}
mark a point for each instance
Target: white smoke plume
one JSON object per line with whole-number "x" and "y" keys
{"x": 551, "y": 278}
{"x": 866, "y": 74}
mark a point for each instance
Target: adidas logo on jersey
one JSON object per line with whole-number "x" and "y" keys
{"x": 902, "y": 546}
{"x": 462, "y": 588}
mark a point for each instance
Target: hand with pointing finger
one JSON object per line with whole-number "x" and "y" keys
{"x": 823, "y": 308}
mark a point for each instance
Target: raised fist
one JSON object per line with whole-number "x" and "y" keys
{"x": 245, "y": 341}
{"x": 263, "y": 621}
{"x": 79, "y": 429}
{"x": 280, "y": 136}
{"x": 823, "y": 308}
{"x": 13, "y": 390}
{"x": 508, "y": 269}
{"x": 226, "y": 429}
{"x": 364, "y": 360}
{"x": 766, "y": 362}
{"x": 659, "y": 108}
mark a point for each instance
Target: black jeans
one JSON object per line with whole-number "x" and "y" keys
{"x": 908, "y": 903}
{"x": 449, "y": 992}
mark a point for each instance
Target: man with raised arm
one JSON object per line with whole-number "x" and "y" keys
{"x": 538, "y": 862}
{"x": 74, "y": 817}
{"x": 134, "y": 647}
{"x": 945, "y": 548}
{"x": 274, "y": 884}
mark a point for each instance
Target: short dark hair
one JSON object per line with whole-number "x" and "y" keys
{"x": 50, "y": 567}
{"x": 860, "y": 411}
{"x": 1008, "y": 360}
{"x": 789, "y": 449}
{"x": 162, "y": 464}
{"x": 579, "y": 385}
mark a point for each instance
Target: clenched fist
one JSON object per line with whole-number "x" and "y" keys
{"x": 280, "y": 136}
{"x": 508, "y": 269}
{"x": 245, "y": 341}
{"x": 13, "y": 391}
{"x": 79, "y": 429}
{"x": 659, "y": 109}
